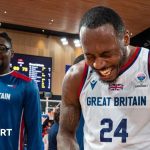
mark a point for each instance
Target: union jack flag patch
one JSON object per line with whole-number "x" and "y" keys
{"x": 115, "y": 87}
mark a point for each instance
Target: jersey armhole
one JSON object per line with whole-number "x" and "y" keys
{"x": 84, "y": 75}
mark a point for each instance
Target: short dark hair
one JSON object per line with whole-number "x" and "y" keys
{"x": 57, "y": 114}
{"x": 78, "y": 59}
{"x": 6, "y": 37}
{"x": 101, "y": 15}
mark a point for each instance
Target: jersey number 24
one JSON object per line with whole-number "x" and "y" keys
{"x": 120, "y": 131}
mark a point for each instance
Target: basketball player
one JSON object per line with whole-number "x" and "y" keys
{"x": 111, "y": 87}
{"x": 19, "y": 104}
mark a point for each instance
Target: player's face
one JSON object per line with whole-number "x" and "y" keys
{"x": 104, "y": 51}
{"x": 5, "y": 55}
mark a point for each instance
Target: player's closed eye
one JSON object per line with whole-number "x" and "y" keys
{"x": 3, "y": 48}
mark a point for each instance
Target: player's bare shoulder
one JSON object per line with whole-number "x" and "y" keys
{"x": 75, "y": 72}
{"x": 72, "y": 80}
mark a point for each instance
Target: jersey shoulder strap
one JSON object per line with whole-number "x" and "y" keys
{"x": 84, "y": 76}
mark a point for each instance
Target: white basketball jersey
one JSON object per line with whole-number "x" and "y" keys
{"x": 117, "y": 115}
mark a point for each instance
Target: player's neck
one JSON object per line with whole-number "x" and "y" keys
{"x": 130, "y": 51}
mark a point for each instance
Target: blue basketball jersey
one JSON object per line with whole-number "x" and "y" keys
{"x": 19, "y": 110}
{"x": 117, "y": 115}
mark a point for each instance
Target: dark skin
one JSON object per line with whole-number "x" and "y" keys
{"x": 70, "y": 108}
{"x": 105, "y": 52}
{"x": 5, "y": 57}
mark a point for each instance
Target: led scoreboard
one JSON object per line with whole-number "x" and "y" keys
{"x": 36, "y": 67}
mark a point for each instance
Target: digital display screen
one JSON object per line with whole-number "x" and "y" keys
{"x": 36, "y": 67}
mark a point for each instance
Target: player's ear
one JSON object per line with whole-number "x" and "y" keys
{"x": 126, "y": 38}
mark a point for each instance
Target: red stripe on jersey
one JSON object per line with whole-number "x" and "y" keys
{"x": 21, "y": 76}
{"x": 131, "y": 60}
{"x": 83, "y": 78}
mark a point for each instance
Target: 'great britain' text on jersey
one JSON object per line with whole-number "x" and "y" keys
{"x": 117, "y": 101}
{"x": 5, "y": 96}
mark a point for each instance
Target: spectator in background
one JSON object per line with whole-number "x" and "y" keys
{"x": 19, "y": 104}
{"x": 45, "y": 127}
{"x": 78, "y": 59}
{"x": 52, "y": 133}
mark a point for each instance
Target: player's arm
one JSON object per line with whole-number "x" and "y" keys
{"x": 70, "y": 110}
{"x": 32, "y": 117}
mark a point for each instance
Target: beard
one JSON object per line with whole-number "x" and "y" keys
{"x": 1, "y": 63}
{"x": 3, "y": 66}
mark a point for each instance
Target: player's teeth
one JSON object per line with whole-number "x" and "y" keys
{"x": 106, "y": 72}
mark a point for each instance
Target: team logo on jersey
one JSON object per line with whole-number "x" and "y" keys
{"x": 140, "y": 78}
{"x": 115, "y": 87}
{"x": 93, "y": 83}
{"x": 91, "y": 71}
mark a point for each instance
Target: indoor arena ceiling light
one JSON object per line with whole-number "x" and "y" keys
{"x": 64, "y": 41}
{"x": 77, "y": 43}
